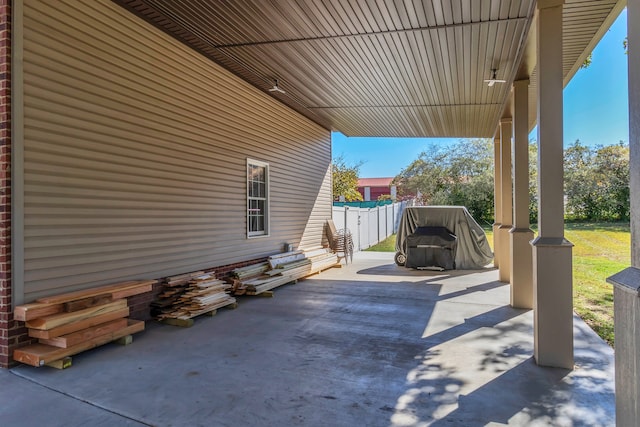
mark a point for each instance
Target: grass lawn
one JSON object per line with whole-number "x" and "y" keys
{"x": 601, "y": 249}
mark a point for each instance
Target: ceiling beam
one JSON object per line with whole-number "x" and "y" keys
{"x": 372, "y": 33}
{"x": 401, "y": 106}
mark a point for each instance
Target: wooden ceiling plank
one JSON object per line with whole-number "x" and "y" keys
{"x": 430, "y": 67}
{"x": 466, "y": 11}
{"x": 485, "y": 10}
{"x": 432, "y": 40}
{"x": 447, "y": 11}
{"x": 413, "y": 78}
{"x": 420, "y": 77}
{"x": 438, "y": 12}
{"x": 373, "y": 69}
{"x": 468, "y": 64}
{"x": 413, "y": 14}
{"x": 425, "y": 70}
{"x": 316, "y": 17}
{"x": 403, "y": 14}
{"x": 395, "y": 72}
{"x": 414, "y": 69}
{"x": 456, "y": 11}
{"x": 297, "y": 18}
{"x": 455, "y": 64}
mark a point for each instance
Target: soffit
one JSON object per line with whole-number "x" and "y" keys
{"x": 376, "y": 68}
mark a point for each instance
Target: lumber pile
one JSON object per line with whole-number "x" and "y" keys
{"x": 189, "y": 295}
{"x": 281, "y": 269}
{"x": 70, "y": 323}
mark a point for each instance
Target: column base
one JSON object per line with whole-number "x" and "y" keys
{"x": 521, "y": 268}
{"x": 496, "y": 245}
{"x": 626, "y": 306}
{"x": 504, "y": 246}
{"x": 553, "y": 302}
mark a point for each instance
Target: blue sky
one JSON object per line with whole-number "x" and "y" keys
{"x": 595, "y": 112}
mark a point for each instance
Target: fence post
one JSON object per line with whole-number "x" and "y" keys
{"x": 393, "y": 217}
{"x": 346, "y": 212}
{"x": 359, "y": 230}
{"x": 386, "y": 221}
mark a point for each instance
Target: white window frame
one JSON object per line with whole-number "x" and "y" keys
{"x": 266, "y": 199}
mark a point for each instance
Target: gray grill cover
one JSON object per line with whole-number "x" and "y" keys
{"x": 431, "y": 247}
{"x": 473, "y": 249}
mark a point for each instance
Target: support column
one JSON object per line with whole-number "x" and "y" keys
{"x": 626, "y": 291}
{"x": 506, "y": 190}
{"x": 521, "y": 234}
{"x": 552, "y": 278}
{"x": 497, "y": 201}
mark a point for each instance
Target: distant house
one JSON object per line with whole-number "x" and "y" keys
{"x": 373, "y": 188}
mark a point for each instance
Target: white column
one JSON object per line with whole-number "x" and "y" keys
{"x": 552, "y": 278}
{"x": 497, "y": 202}
{"x": 633, "y": 33}
{"x": 521, "y": 234}
{"x": 626, "y": 303}
{"x": 506, "y": 189}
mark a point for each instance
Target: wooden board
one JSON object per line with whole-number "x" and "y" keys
{"x": 267, "y": 294}
{"x": 134, "y": 290}
{"x": 285, "y": 259}
{"x": 41, "y": 354}
{"x": 81, "y": 304}
{"x": 75, "y": 338}
{"x": 33, "y": 311}
{"x": 53, "y": 321}
{"x": 183, "y": 323}
{"x": 124, "y": 287}
{"x": 79, "y": 325}
{"x": 56, "y": 304}
{"x": 63, "y": 363}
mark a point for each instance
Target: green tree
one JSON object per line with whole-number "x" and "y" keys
{"x": 611, "y": 164}
{"x": 597, "y": 182}
{"x": 461, "y": 174}
{"x": 580, "y": 184}
{"x": 345, "y": 180}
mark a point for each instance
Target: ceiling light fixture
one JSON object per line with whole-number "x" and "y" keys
{"x": 490, "y": 82}
{"x": 276, "y": 88}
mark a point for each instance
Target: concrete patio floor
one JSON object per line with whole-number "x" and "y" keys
{"x": 371, "y": 344}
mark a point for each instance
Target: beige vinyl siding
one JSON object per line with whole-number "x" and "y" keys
{"x": 135, "y": 153}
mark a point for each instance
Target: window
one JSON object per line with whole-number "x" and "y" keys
{"x": 257, "y": 198}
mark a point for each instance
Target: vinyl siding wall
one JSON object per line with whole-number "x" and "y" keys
{"x": 135, "y": 153}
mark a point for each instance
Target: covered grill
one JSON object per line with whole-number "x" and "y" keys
{"x": 431, "y": 248}
{"x": 472, "y": 248}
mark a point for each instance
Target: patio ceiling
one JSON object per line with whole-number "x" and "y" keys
{"x": 383, "y": 68}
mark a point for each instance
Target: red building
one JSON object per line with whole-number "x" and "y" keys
{"x": 373, "y": 188}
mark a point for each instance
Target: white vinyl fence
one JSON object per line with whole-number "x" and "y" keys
{"x": 368, "y": 226}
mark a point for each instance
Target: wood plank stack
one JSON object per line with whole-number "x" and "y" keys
{"x": 70, "y": 323}
{"x": 189, "y": 295}
{"x": 281, "y": 269}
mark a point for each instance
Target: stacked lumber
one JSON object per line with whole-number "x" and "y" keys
{"x": 70, "y": 323}
{"x": 281, "y": 269}
{"x": 189, "y": 295}
{"x": 243, "y": 275}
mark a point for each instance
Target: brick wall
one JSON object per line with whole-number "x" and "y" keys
{"x": 10, "y": 333}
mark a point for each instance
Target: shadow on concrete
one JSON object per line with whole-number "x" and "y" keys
{"x": 343, "y": 350}
{"x": 395, "y": 270}
{"x": 503, "y": 384}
